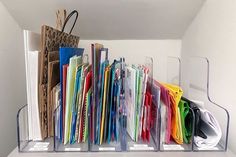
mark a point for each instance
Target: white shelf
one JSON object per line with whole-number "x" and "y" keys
{"x": 15, "y": 153}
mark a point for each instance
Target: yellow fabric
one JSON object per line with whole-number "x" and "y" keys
{"x": 175, "y": 95}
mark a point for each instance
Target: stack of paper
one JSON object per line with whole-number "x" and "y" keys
{"x": 130, "y": 100}
{"x": 138, "y": 102}
{"x": 56, "y": 92}
{"x": 71, "y": 75}
{"x": 66, "y": 53}
{"x": 104, "y": 111}
{"x": 32, "y": 42}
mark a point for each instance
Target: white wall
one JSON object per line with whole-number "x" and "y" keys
{"x": 213, "y": 34}
{"x": 12, "y": 82}
{"x": 134, "y": 51}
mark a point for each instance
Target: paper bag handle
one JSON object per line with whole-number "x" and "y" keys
{"x": 68, "y": 18}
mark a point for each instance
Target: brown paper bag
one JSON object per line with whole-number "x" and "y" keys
{"x": 51, "y": 40}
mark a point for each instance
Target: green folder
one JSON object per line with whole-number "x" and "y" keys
{"x": 186, "y": 120}
{"x": 71, "y": 74}
{"x": 137, "y": 86}
{"x": 88, "y": 100}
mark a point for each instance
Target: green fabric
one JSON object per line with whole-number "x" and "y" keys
{"x": 186, "y": 120}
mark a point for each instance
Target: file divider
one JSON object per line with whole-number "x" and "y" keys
{"x": 24, "y": 143}
{"x": 174, "y": 78}
{"x": 59, "y": 146}
{"x": 114, "y": 146}
{"x": 199, "y": 89}
{"x": 174, "y": 67}
{"x": 153, "y": 143}
{"x": 108, "y": 145}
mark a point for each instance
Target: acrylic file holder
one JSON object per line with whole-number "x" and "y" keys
{"x": 109, "y": 145}
{"x": 58, "y": 144}
{"x": 24, "y": 143}
{"x": 199, "y": 90}
{"x": 168, "y": 144}
{"x": 174, "y": 70}
{"x": 153, "y": 143}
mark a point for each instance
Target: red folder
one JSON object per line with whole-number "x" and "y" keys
{"x": 87, "y": 86}
{"x": 165, "y": 98}
{"x": 144, "y": 119}
{"x": 148, "y": 126}
{"x": 93, "y": 97}
{"x": 147, "y": 117}
{"x": 64, "y": 71}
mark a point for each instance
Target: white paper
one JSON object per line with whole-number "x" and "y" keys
{"x": 72, "y": 149}
{"x": 213, "y": 148}
{"x": 71, "y": 74}
{"x": 211, "y": 128}
{"x": 38, "y": 149}
{"x": 130, "y": 100}
{"x": 40, "y": 146}
{"x": 172, "y": 147}
{"x": 107, "y": 148}
{"x": 32, "y": 44}
{"x": 163, "y": 122}
{"x": 140, "y": 145}
{"x": 141, "y": 148}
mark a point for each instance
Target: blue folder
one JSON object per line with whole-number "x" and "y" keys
{"x": 111, "y": 101}
{"x": 102, "y": 71}
{"x": 65, "y": 53}
{"x": 74, "y": 106}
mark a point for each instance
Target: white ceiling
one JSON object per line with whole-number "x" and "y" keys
{"x": 111, "y": 19}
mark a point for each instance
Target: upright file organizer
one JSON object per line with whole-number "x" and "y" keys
{"x": 173, "y": 77}
{"x": 24, "y": 143}
{"x": 173, "y": 70}
{"x": 107, "y": 145}
{"x": 199, "y": 90}
{"x": 151, "y": 144}
{"x": 59, "y": 146}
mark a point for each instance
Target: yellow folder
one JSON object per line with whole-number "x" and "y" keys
{"x": 107, "y": 71}
{"x": 176, "y": 128}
